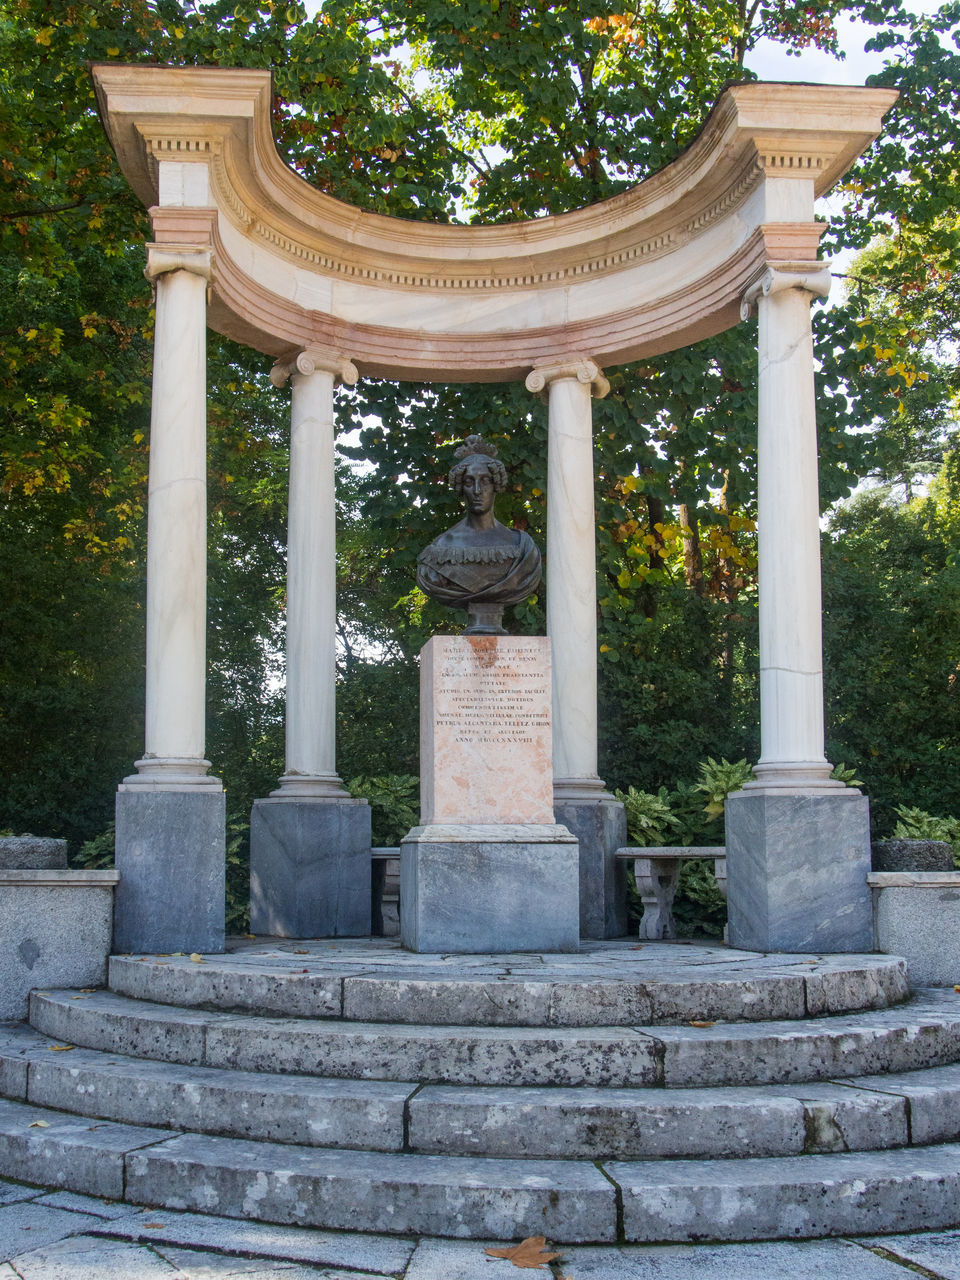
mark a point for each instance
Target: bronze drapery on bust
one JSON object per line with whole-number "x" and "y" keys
{"x": 480, "y": 564}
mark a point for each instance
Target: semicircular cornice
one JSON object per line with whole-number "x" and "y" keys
{"x": 648, "y": 270}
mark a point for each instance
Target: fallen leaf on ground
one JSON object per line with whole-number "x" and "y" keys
{"x": 39, "y": 1124}
{"x": 300, "y": 951}
{"x": 156, "y": 1225}
{"x": 956, "y": 988}
{"x": 530, "y": 1253}
{"x": 699, "y": 1022}
{"x": 640, "y": 948}
{"x": 61, "y": 1048}
{"x": 197, "y": 958}
{"x": 88, "y": 989}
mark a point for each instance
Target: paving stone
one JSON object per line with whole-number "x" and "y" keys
{"x": 796, "y": 1196}
{"x": 177, "y": 980}
{"x": 11, "y": 1192}
{"x": 562, "y": 1055}
{"x": 108, "y": 1209}
{"x": 933, "y": 1097}
{"x": 364, "y": 1252}
{"x": 606, "y": 1123}
{"x": 833, "y": 987}
{"x": 335, "y": 1113}
{"x": 55, "y": 1150}
{"x": 85, "y": 1257}
{"x": 25, "y": 1226}
{"x": 348, "y": 1190}
{"x": 783, "y": 1260}
{"x": 215, "y": 1266}
{"x": 938, "y": 1252}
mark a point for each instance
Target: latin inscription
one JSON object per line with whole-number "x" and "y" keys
{"x": 489, "y": 702}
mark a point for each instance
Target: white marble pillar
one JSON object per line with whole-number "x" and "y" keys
{"x": 791, "y": 660}
{"x": 572, "y": 573}
{"x": 310, "y": 770}
{"x": 177, "y": 525}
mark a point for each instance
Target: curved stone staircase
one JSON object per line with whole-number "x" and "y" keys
{"x": 655, "y": 1093}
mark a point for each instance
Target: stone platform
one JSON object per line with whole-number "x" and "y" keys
{"x": 660, "y": 1093}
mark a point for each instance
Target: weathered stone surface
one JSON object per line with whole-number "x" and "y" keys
{"x": 924, "y": 1033}
{"x": 177, "y": 980}
{"x": 480, "y": 1055}
{"x": 835, "y": 987}
{"x": 109, "y": 1210}
{"x": 912, "y": 855}
{"x": 530, "y": 1001}
{"x": 310, "y": 868}
{"x": 489, "y": 895}
{"x": 711, "y": 995}
{"x": 32, "y": 852}
{"x": 933, "y": 1097}
{"x": 601, "y": 829}
{"x": 171, "y": 858}
{"x": 780, "y": 1260}
{"x": 85, "y": 1257}
{"x": 106, "y": 1021}
{"x": 195, "y": 1265}
{"x": 797, "y": 1196}
{"x": 395, "y": 1194}
{"x": 365, "y": 1252}
{"x": 62, "y": 1151}
{"x": 839, "y": 1117}
{"x": 796, "y": 872}
{"x": 939, "y": 1253}
{"x": 921, "y": 922}
{"x": 26, "y": 1226}
{"x": 52, "y": 935}
{"x": 605, "y": 1123}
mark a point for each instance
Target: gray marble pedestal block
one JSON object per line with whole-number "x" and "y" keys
{"x": 601, "y": 828}
{"x": 310, "y": 868}
{"x": 171, "y": 855}
{"x": 487, "y": 888}
{"x": 797, "y": 870}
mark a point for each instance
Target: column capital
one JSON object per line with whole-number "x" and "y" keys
{"x": 163, "y": 258}
{"x": 311, "y": 360}
{"x": 577, "y": 367}
{"x": 812, "y": 278}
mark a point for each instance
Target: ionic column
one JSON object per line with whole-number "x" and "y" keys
{"x": 177, "y": 525}
{"x": 572, "y": 572}
{"x": 788, "y": 527}
{"x": 311, "y": 575}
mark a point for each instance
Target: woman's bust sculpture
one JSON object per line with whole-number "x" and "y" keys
{"x": 479, "y": 565}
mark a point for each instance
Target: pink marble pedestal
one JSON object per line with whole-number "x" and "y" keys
{"x": 488, "y": 869}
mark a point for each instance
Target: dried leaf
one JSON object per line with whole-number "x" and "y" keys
{"x": 78, "y": 997}
{"x": 61, "y": 1048}
{"x": 88, "y": 989}
{"x": 157, "y": 1226}
{"x": 529, "y": 1253}
{"x": 197, "y": 958}
{"x": 39, "y": 1124}
{"x": 956, "y": 988}
{"x": 301, "y": 951}
{"x": 639, "y": 948}
{"x": 698, "y": 1022}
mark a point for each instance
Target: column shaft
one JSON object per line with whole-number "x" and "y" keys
{"x": 176, "y": 533}
{"x": 791, "y": 662}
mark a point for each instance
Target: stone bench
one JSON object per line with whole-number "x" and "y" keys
{"x": 656, "y": 869}
{"x": 385, "y": 892}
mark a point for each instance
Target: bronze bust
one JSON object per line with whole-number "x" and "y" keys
{"x": 480, "y": 564}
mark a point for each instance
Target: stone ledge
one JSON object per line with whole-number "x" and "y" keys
{"x": 914, "y": 879}
{"x": 103, "y": 878}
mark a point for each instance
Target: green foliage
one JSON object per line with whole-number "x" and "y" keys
{"x": 98, "y": 852}
{"x": 699, "y": 907}
{"x": 717, "y": 779}
{"x": 915, "y": 824}
{"x": 649, "y": 820}
{"x": 394, "y": 799}
{"x": 238, "y": 872}
{"x": 841, "y": 773}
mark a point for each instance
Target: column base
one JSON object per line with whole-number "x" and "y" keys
{"x": 797, "y": 871}
{"x": 600, "y": 826}
{"x": 172, "y": 773}
{"x": 310, "y": 867}
{"x": 315, "y": 786}
{"x": 171, "y": 855}
{"x": 488, "y": 889}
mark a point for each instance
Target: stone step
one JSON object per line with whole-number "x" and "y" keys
{"x": 521, "y": 1122}
{"x": 606, "y": 984}
{"x": 568, "y": 1201}
{"x": 924, "y": 1032}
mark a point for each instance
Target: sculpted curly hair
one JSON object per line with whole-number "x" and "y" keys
{"x": 476, "y": 447}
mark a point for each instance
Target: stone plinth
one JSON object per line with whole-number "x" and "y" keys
{"x": 55, "y": 930}
{"x": 310, "y": 868}
{"x": 485, "y": 730}
{"x": 488, "y": 869}
{"x": 601, "y": 828}
{"x": 797, "y": 869}
{"x": 917, "y": 916}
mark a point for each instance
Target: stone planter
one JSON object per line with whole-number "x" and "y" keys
{"x": 917, "y": 916}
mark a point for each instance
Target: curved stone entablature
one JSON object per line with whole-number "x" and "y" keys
{"x": 654, "y": 268}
